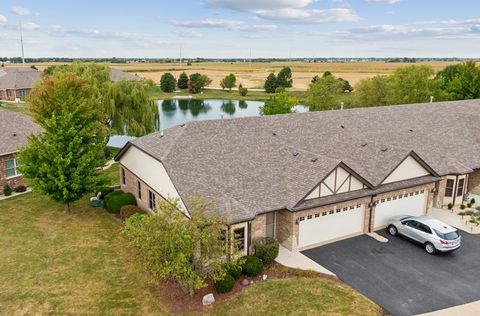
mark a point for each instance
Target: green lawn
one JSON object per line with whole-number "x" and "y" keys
{"x": 57, "y": 263}
{"x": 113, "y": 174}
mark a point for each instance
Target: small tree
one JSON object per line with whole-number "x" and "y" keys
{"x": 167, "y": 82}
{"x": 280, "y": 103}
{"x": 173, "y": 247}
{"x": 242, "y": 90}
{"x": 197, "y": 82}
{"x": 228, "y": 82}
{"x": 271, "y": 83}
{"x": 284, "y": 77}
{"x": 324, "y": 94}
{"x": 64, "y": 161}
{"x": 183, "y": 81}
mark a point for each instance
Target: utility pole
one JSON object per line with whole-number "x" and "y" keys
{"x": 21, "y": 43}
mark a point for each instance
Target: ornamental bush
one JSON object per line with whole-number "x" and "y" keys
{"x": 266, "y": 249}
{"x": 243, "y": 91}
{"x": 20, "y": 188}
{"x": 7, "y": 190}
{"x": 104, "y": 191}
{"x": 462, "y": 206}
{"x": 233, "y": 269}
{"x": 225, "y": 284}
{"x": 128, "y": 210}
{"x": 116, "y": 199}
{"x": 472, "y": 201}
{"x": 450, "y": 206}
{"x": 252, "y": 266}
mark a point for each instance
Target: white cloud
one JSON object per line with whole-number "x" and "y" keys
{"x": 3, "y": 19}
{"x": 252, "y": 5}
{"x": 30, "y": 26}
{"x": 18, "y": 10}
{"x": 383, "y": 1}
{"x": 232, "y": 25}
{"x": 189, "y": 34}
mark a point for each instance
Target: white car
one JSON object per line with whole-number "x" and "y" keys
{"x": 432, "y": 234}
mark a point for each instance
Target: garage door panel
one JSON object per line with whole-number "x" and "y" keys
{"x": 411, "y": 205}
{"x": 331, "y": 226}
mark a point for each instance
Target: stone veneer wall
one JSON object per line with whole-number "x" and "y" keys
{"x": 131, "y": 186}
{"x": 13, "y": 182}
{"x": 474, "y": 182}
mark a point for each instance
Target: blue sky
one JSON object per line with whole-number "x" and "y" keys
{"x": 231, "y": 28}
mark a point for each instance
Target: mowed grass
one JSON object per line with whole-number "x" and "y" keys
{"x": 56, "y": 263}
{"x": 298, "y": 297}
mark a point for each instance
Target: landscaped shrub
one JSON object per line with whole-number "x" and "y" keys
{"x": 233, "y": 269}
{"x": 128, "y": 210}
{"x": 469, "y": 205}
{"x": 251, "y": 266}
{"x": 225, "y": 284}
{"x": 243, "y": 91}
{"x": 450, "y": 206}
{"x": 104, "y": 191}
{"x": 20, "y": 188}
{"x": 266, "y": 249}
{"x": 472, "y": 201}
{"x": 462, "y": 206}
{"x": 116, "y": 199}
{"x": 7, "y": 190}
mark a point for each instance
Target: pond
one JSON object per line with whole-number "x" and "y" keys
{"x": 176, "y": 112}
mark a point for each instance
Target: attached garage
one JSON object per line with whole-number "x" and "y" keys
{"x": 330, "y": 225}
{"x": 413, "y": 203}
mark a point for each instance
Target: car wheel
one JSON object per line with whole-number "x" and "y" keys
{"x": 392, "y": 230}
{"x": 430, "y": 248}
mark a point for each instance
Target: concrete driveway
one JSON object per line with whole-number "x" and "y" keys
{"x": 400, "y": 276}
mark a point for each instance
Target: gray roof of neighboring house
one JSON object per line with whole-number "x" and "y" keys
{"x": 18, "y": 77}
{"x": 117, "y": 75}
{"x": 248, "y": 165}
{"x": 14, "y": 129}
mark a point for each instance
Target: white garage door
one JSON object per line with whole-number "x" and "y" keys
{"x": 405, "y": 204}
{"x": 330, "y": 225}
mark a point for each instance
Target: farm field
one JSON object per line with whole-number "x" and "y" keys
{"x": 253, "y": 75}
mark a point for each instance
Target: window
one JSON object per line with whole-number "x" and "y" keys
{"x": 449, "y": 188}
{"x": 11, "y": 168}
{"x": 123, "y": 176}
{"x": 22, "y": 93}
{"x": 352, "y": 207}
{"x": 447, "y": 236}
{"x": 239, "y": 235}
{"x": 139, "y": 190}
{"x": 309, "y": 217}
{"x": 324, "y": 213}
{"x": 271, "y": 224}
{"x": 461, "y": 184}
{"x": 151, "y": 200}
{"x": 331, "y": 212}
{"x": 410, "y": 223}
{"x": 424, "y": 228}
{"x": 317, "y": 215}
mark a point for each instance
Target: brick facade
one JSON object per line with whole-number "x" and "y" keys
{"x": 11, "y": 95}
{"x": 13, "y": 182}
{"x": 474, "y": 182}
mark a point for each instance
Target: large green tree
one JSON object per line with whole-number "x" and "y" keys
{"x": 228, "y": 82}
{"x": 174, "y": 248}
{"x": 371, "y": 92}
{"x": 167, "y": 82}
{"x": 271, "y": 83}
{"x": 284, "y": 77}
{"x": 64, "y": 161}
{"x": 183, "y": 81}
{"x": 325, "y": 94}
{"x": 413, "y": 84}
{"x": 280, "y": 103}
{"x": 461, "y": 81}
{"x": 197, "y": 82}
{"x": 112, "y": 95}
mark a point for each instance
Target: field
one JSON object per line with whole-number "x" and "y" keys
{"x": 253, "y": 75}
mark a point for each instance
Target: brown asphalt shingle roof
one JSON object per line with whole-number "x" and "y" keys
{"x": 248, "y": 170}
{"x": 18, "y": 78}
{"x": 14, "y": 129}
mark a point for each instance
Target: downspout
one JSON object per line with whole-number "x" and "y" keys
{"x": 371, "y": 205}
{"x": 455, "y": 189}
{"x": 249, "y": 239}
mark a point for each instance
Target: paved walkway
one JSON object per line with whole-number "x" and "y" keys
{"x": 470, "y": 309}
{"x": 455, "y": 220}
{"x": 294, "y": 259}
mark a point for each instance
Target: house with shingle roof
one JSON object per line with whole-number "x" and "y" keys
{"x": 312, "y": 178}
{"x": 14, "y": 130}
{"x": 17, "y": 82}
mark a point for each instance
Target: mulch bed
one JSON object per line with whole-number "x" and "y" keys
{"x": 180, "y": 302}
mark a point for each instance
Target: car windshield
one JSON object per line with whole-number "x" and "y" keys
{"x": 447, "y": 236}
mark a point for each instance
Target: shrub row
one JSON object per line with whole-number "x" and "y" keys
{"x": 128, "y": 210}
{"x": 7, "y": 189}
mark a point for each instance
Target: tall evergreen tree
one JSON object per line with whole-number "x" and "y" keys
{"x": 183, "y": 81}
{"x": 64, "y": 161}
{"x": 271, "y": 84}
{"x": 167, "y": 82}
{"x": 284, "y": 77}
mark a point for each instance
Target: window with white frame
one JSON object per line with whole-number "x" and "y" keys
{"x": 152, "y": 203}
{"x": 11, "y": 168}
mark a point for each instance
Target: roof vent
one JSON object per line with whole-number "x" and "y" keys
{"x": 410, "y": 130}
{"x": 314, "y": 159}
{"x": 14, "y": 134}
{"x": 342, "y": 126}
{"x": 274, "y": 134}
{"x": 295, "y": 154}
{"x": 364, "y": 144}
{"x": 384, "y": 148}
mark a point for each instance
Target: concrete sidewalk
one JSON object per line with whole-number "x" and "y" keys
{"x": 294, "y": 259}
{"x": 470, "y": 309}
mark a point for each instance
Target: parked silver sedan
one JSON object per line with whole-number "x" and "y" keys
{"x": 434, "y": 235}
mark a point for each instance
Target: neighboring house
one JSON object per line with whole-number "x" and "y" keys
{"x": 17, "y": 82}
{"x": 14, "y": 129}
{"x": 311, "y": 178}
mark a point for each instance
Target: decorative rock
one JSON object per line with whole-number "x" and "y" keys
{"x": 245, "y": 282}
{"x": 264, "y": 277}
{"x": 251, "y": 282}
{"x": 208, "y": 299}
